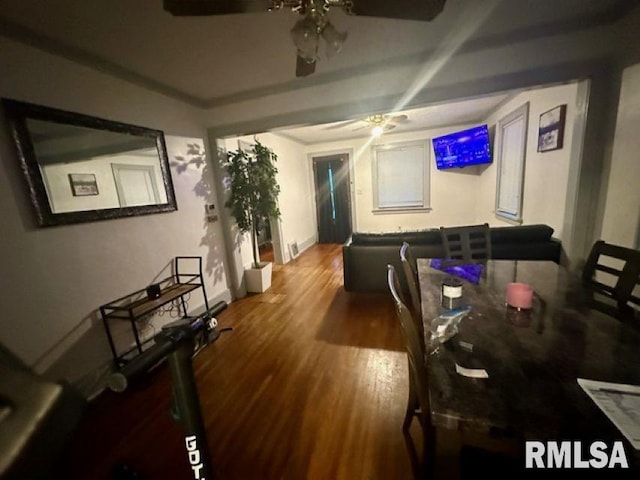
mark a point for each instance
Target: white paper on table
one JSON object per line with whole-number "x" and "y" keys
{"x": 620, "y": 402}
{"x": 471, "y": 372}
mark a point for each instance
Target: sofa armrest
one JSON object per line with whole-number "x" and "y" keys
{"x": 365, "y": 267}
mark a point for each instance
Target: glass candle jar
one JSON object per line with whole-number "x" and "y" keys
{"x": 451, "y": 294}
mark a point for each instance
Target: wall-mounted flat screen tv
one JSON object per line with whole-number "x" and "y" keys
{"x": 463, "y": 148}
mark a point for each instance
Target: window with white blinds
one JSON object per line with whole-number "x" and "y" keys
{"x": 512, "y": 131}
{"x": 401, "y": 176}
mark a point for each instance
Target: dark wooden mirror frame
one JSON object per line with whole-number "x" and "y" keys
{"x": 17, "y": 114}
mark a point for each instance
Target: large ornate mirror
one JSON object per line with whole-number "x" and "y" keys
{"x": 81, "y": 168}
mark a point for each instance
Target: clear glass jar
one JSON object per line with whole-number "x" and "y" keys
{"x": 451, "y": 294}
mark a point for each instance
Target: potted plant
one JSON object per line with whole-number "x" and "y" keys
{"x": 254, "y": 197}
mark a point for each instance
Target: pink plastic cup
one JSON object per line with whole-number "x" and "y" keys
{"x": 519, "y": 295}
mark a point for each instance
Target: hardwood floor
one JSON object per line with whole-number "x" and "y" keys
{"x": 310, "y": 384}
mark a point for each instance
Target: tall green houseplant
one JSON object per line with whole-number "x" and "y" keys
{"x": 254, "y": 190}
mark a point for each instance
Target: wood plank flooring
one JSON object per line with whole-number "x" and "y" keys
{"x": 310, "y": 384}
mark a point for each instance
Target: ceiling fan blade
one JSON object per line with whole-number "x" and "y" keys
{"x": 346, "y": 123}
{"x": 397, "y": 118}
{"x": 304, "y": 68}
{"x": 213, "y": 7}
{"x": 388, "y": 127}
{"x": 424, "y": 10}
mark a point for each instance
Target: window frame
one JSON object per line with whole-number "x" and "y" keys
{"x": 501, "y": 211}
{"x": 426, "y": 175}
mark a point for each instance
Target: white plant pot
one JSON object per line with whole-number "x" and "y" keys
{"x": 258, "y": 279}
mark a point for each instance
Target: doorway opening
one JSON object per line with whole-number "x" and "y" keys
{"x": 333, "y": 198}
{"x": 265, "y": 240}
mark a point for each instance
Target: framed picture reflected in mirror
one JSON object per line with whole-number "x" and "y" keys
{"x": 83, "y": 184}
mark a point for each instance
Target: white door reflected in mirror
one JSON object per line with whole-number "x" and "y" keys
{"x": 136, "y": 185}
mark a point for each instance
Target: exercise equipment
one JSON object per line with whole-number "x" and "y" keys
{"x": 177, "y": 343}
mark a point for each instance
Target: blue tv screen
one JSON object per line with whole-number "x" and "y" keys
{"x": 463, "y": 148}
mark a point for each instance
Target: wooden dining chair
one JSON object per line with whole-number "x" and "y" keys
{"x": 411, "y": 275}
{"x": 468, "y": 243}
{"x": 418, "y": 405}
{"x": 614, "y": 271}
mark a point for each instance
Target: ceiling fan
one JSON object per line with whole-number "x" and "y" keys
{"x": 379, "y": 123}
{"x": 314, "y": 24}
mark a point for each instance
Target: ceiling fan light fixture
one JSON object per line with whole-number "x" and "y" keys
{"x": 377, "y": 131}
{"x": 308, "y": 31}
{"x": 334, "y": 39}
{"x": 305, "y": 37}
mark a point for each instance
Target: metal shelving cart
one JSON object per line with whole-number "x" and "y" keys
{"x": 140, "y": 304}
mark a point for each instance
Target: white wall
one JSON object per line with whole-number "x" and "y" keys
{"x": 54, "y": 279}
{"x": 622, "y": 207}
{"x": 297, "y": 200}
{"x": 452, "y": 192}
{"x": 546, "y": 173}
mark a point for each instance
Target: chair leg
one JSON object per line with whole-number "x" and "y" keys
{"x": 416, "y": 466}
{"x": 412, "y": 404}
{"x": 428, "y": 448}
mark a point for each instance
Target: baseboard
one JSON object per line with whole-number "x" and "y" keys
{"x": 302, "y": 246}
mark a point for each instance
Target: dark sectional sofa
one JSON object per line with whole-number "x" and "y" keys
{"x": 366, "y": 255}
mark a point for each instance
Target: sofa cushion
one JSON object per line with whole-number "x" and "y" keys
{"x": 522, "y": 233}
{"x": 424, "y": 237}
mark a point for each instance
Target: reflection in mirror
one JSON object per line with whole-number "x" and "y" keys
{"x": 82, "y": 168}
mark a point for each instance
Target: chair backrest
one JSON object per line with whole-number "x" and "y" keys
{"x": 415, "y": 351}
{"x": 471, "y": 242}
{"x": 411, "y": 273}
{"x": 613, "y": 270}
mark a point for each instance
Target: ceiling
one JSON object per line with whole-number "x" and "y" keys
{"x": 461, "y": 112}
{"x": 219, "y": 60}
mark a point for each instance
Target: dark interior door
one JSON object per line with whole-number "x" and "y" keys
{"x": 332, "y": 198}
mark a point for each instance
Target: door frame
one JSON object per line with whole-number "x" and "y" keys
{"x": 351, "y": 169}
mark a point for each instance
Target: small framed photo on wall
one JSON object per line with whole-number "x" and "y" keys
{"x": 551, "y": 129}
{"x": 83, "y": 184}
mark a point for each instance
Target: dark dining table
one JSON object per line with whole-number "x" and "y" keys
{"x": 533, "y": 357}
